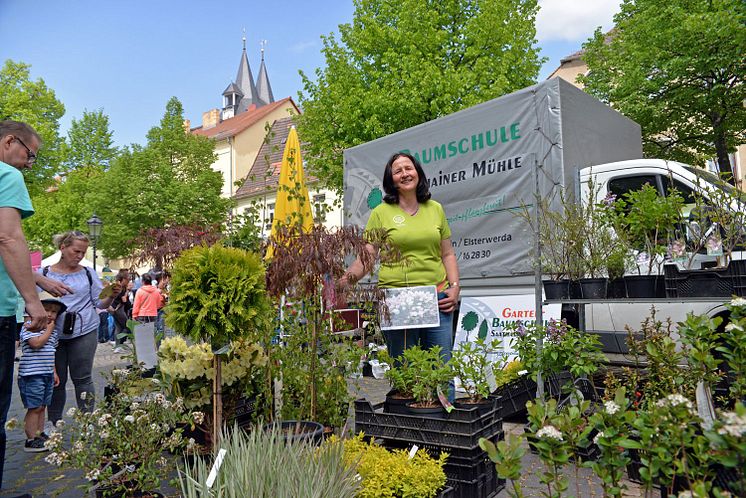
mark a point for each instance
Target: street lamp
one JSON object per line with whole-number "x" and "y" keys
{"x": 94, "y": 230}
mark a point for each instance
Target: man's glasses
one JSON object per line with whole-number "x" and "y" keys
{"x": 30, "y": 156}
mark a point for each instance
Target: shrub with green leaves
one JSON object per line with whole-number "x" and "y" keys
{"x": 393, "y": 474}
{"x": 507, "y": 456}
{"x": 400, "y": 374}
{"x": 430, "y": 373}
{"x": 564, "y": 349}
{"x": 218, "y": 295}
{"x": 649, "y": 220}
{"x": 470, "y": 364}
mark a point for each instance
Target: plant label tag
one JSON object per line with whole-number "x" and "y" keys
{"x": 714, "y": 246}
{"x": 491, "y": 381}
{"x": 444, "y": 400}
{"x": 413, "y": 451}
{"x": 215, "y": 467}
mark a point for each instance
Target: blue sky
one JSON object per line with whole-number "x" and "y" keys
{"x": 130, "y": 57}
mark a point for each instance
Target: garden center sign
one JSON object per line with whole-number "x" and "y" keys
{"x": 492, "y": 317}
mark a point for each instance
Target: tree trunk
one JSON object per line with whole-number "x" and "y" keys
{"x": 721, "y": 149}
{"x": 217, "y": 402}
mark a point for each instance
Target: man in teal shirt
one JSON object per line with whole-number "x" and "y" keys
{"x": 18, "y": 146}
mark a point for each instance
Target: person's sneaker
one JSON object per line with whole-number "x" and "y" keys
{"x": 48, "y": 428}
{"x": 35, "y": 445}
{"x": 118, "y": 350}
{"x": 44, "y": 436}
{"x": 113, "y": 343}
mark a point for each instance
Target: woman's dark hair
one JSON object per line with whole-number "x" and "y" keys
{"x": 392, "y": 195}
{"x": 147, "y": 279}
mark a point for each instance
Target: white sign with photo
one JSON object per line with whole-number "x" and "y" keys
{"x": 411, "y": 308}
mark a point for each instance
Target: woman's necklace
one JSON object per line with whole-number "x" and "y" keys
{"x": 409, "y": 210}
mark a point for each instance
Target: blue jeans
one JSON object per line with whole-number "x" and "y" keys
{"x": 398, "y": 340}
{"x": 7, "y": 353}
{"x": 76, "y": 356}
{"x": 103, "y": 326}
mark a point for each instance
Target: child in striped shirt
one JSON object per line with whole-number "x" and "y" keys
{"x": 37, "y": 375}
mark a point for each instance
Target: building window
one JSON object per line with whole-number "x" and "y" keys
{"x": 319, "y": 208}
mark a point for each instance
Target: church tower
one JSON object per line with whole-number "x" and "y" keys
{"x": 263, "y": 88}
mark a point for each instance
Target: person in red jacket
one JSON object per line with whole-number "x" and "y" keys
{"x": 147, "y": 301}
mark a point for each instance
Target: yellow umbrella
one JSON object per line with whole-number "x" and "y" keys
{"x": 293, "y": 206}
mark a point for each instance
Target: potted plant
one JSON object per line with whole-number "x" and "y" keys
{"x": 619, "y": 261}
{"x": 598, "y": 244}
{"x": 557, "y": 225}
{"x": 401, "y": 376}
{"x": 119, "y": 446}
{"x": 716, "y": 227}
{"x": 471, "y": 365}
{"x": 431, "y": 378}
{"x": 218, "y": 295}
{"x": 648, "y": 220}
{"x": 311, "y": 363}
{"x": 185, "y": 372}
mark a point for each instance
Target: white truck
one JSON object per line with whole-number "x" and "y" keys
{"x": 485, "y": 162}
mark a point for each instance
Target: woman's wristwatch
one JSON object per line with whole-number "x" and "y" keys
{"x": 453, "y": 284}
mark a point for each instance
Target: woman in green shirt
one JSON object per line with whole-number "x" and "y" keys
{"x": 416, "y": 225}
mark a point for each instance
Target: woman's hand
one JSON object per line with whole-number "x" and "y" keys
{"x": 448, "y": 303}
{"x": 54, "y": 287}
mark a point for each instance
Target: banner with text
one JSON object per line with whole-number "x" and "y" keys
{"x": 486, "y": 318}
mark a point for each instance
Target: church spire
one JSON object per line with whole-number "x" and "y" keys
{"x": 245, "y": 82}
{"x": 263, "y": 88}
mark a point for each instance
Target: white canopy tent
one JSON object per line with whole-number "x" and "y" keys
{"x": 54, "y": 258}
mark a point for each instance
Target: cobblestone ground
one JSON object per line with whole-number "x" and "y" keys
{"x": 29, "y": 473}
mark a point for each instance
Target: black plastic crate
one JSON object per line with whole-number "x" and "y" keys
{"x": 446, "y": 492}
{"x": 515, "y": 395}
{"x": 485, "y": 486}
{"x": 712, "y": 282}
{"x": 244, "y": 411}
{"x": 459, "y": 456}
{"x": 460, "y": 429}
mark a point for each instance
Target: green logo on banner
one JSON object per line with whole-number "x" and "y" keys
{"x": 375, "y": 197}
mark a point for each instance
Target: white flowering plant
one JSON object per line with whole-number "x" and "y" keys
{"x": 186, "y": 371}
{"x": 120, "y": 445}
{"x": 611, "y": 423}
{"x": 552, "y": 444}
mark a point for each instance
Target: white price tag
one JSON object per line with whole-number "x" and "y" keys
{"x": 413, "y": 451}
{"x": 215, "y": 467}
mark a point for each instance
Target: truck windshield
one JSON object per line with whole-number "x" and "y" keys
{"x": 711, "y": 179}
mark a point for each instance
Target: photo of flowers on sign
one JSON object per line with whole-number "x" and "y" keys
{"x": 411, "y": 307}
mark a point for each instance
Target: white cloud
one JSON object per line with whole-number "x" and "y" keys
{"x": 300, "y": 47}
{"x": 573, "y": 20}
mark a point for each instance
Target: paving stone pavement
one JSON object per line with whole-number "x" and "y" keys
{"x": 29, "y": 473}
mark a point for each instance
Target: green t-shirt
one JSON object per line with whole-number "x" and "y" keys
{"x": 417, "y": 238}
{"x": 13, "y": 194}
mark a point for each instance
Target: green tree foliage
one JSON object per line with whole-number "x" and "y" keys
{"x": 166, "y": 183}
{"x": 66, "y": 207}
{"x": 403, "y": 62}
{"x": 32, "y": 102}
{"x": 677, "y": 68}
{"x": 90, "y": 141}
{"x": 72, "y": 200}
